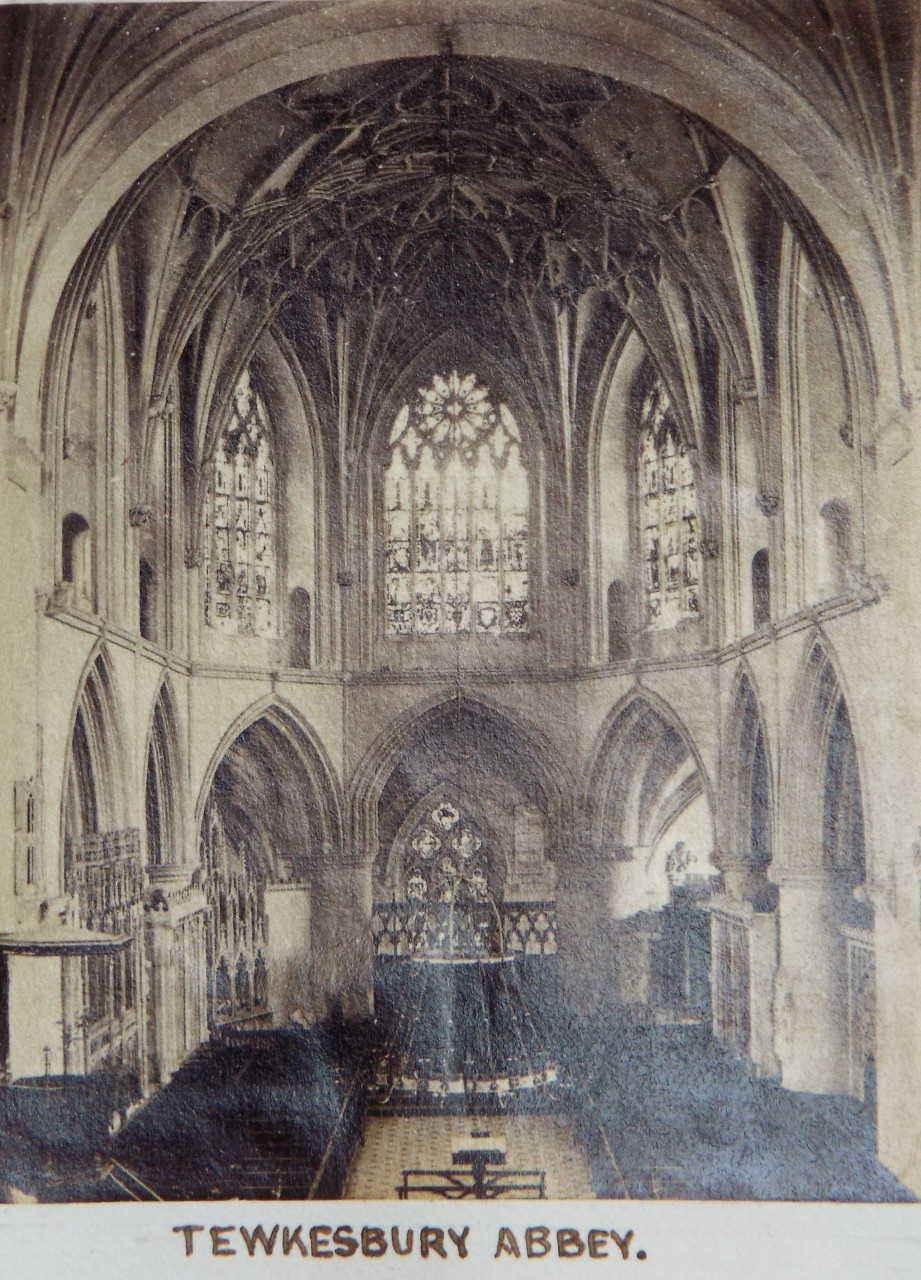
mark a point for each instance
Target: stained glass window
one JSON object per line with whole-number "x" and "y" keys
{"x": 456, "y": 515}
{"x": 451, "y": 882}
{"x": 238, "y": 538}
{"x": 668, "y": 511}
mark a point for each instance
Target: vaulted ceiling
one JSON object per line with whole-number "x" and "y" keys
{"x": 532, "y": 213}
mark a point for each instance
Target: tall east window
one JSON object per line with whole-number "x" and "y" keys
{"x": 239, "y": 536}
{"x": 668, "y": 513}
{"x": 456, "y": 515}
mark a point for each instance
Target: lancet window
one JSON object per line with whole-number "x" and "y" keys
{"x": 456, "y": 504}
{"x": 239, "y": 524}
{"x": 668, "y": 514}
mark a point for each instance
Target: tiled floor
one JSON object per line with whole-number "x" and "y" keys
{"x": 391, "y": 1144}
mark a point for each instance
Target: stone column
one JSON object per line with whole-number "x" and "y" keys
{"x": 633, "y": 954}
{"x": 583, "y": 919}
{"x": 633, "y": 900}
{"x": 744, "y": 901}
{"x": 175, "y": 986}
{"x": 810, "y": 1003}
{"x": 759, "y": 931}
{"x": 342, "y": 954}
{"x": 163, "y": 1006}
{"x": 74, "y": 1040}
{"x": 741, "y": 881}
{"x": 287, "y": 910}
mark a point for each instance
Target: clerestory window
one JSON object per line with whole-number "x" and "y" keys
{"x": 668, "y": 514}
{"x": 239, "y": 525}
{"x": 456, "y": 504}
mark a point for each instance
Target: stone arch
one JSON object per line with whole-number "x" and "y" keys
{"x": 269, "y": 831}
{"x": 101, "y": 881}
{"x": 95, "y": 795}
{"x": 746, "y": 791}
{"x": 623, "y": 774}
{"x": 820, "y": 726}
{"x": 448, "y": 349}
{"x": 307, "y": 751}
{"x": 164, "y": 794}
{"x": 826, "y": 1023}
{"x": 493, "y": 724}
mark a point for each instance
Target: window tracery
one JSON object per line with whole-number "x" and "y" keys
{"x": 668, "y": 513}
{"x": 239, "y": 525}
{"x": 456, "y": 505}
{"x": 451, "y": 882}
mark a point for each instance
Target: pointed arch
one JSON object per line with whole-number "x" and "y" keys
{"x": 447, "y": 348}
{"x": 643, "y": 772}
{"x": 95, "y": 796}
{"x": 747, "y": 778}
{"x": 308, "y": 754}
{"x": 101, "y": 875}
{"x": 824, "y": 805}
{"x": 490, "y": 728}
{"x": 268, "y": 814}
{"x": 163, "y": 790}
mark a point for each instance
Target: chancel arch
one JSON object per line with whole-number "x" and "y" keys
{"x": 485, "y": 773}
{"x": 468, "y": 833}
{"x": 458, "y": 738}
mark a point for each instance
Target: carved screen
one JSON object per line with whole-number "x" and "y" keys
{"x": 456, "y": 516}
{"x": 236, "y": 940}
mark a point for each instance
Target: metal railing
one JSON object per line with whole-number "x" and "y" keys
{"x": 477, "y": 1183}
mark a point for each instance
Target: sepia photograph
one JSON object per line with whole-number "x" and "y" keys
{"x": 461, "y": 596}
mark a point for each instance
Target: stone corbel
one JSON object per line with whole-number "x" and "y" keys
{"x": 157, "y": 407}
{"x": 140, "y": 515}
{"x": 193, "y": 557}
{"x": 744, "y": 388}
{"x": 743, "y": 882}
{"x": 768, "y": 504}
{"x": 881, "y": 892}
{"x": 868, "y": 588}
{"x": 894, "y": 437}
{"x": 7, "y": 400}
